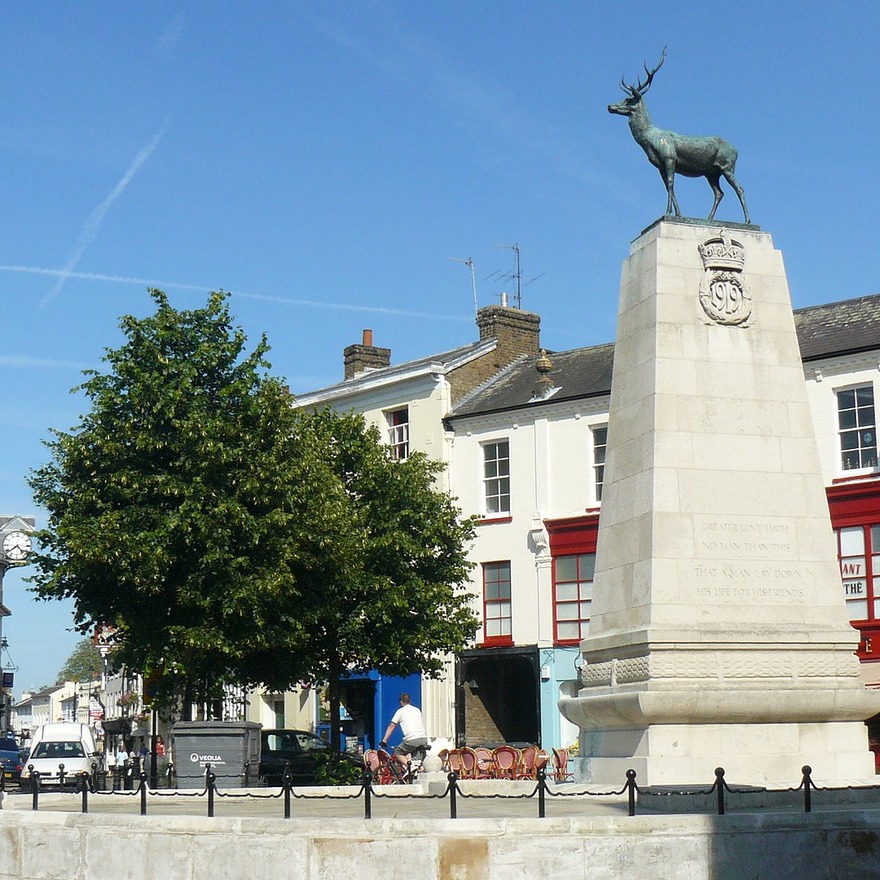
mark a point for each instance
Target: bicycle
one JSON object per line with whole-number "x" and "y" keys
{"x": 387, "y": 770}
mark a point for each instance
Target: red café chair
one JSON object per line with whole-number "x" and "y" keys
{"x": 485, "y": 764}
{"x": 453, "y": 761}
{"x": 560, "y": 765}
{"x": 541, "y": 760}
{"x": 468, "y": 763}
{"x": 506, "y": 760}
{"x": 443, "y": 755}
{"x": 378, "y": 767}
{"x": 383, "y": 774}
{"x": 528, "y": 768}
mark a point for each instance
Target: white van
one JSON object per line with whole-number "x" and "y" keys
{"x": 64, "y": 742}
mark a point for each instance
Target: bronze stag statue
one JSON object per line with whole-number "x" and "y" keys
{"x": 671, "y": 153}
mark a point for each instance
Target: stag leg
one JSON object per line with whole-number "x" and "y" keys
{"x": 714, "y": 179}
{"x": 728, "y": 176}
{"x": 668, "y": 175}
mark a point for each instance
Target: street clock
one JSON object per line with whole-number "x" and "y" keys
{"x": 16, "y": 546}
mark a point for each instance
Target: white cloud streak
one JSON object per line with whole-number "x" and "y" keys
{"x": 66, "y": 273}
{"x": 20, "y": 360}
{"x": 93, "y": 225}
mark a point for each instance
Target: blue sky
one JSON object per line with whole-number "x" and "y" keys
{"x": 324, "y": 161}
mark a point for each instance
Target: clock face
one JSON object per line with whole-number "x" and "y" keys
{"x": 16, "y": 545}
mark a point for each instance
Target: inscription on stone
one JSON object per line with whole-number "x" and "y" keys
{"x": 748, "y": 561}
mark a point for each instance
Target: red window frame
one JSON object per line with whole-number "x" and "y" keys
{"x": 494, "y": 582}
{"x": 584, "y": 595}
{"x": 573, "y": 536}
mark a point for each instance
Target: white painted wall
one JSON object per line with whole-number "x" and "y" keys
{"x": 552, "y": 476}
{"x": 823, "y": 380}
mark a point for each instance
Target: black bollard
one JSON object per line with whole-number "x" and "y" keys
{"x": 286, "y": 783}
{"x": 367, "y": 784}
{"x": 35, "y": 787}
{"x": 542, "y": 789}
{"x": 631, "y": 790}
{"x": 719, "y": 785}
{"x": 83, "y": 782}
{"x": 451, "y": 788}
{"x": 143, "y": 791}
{"x": 210, "y": 778}
{"x": 808, "y": 785}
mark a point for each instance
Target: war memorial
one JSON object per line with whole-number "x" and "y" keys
{"x": 719, "y": 629}
{"x": 718, "y": 636}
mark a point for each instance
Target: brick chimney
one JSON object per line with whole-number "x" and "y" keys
{"x": 359, "y": 359}
{"x": 517, "y": 332}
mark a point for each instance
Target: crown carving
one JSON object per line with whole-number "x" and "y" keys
{"x": 723, "y": 253}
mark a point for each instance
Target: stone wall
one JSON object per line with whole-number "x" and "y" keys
{"x": 818, "y": 846}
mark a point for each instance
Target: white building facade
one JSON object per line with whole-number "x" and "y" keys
{"x": 524, "y": 444}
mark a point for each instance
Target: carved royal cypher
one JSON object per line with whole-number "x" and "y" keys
{"x": 723, "y": 292}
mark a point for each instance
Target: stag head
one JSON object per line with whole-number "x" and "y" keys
{"x": 630, "y": 104}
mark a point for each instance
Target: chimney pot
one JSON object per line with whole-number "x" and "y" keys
{"x": 364, "y": 356}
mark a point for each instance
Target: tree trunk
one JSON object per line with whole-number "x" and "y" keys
{"x": 186, "y": 713}
{"x": 333, "y": 700}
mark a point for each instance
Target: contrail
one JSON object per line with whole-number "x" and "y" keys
{"x": 200, "y": 288}
{"x": 20, "y": 360}
{"x": 93, "y": 224}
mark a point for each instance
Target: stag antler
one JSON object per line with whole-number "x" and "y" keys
{"x": 643, "y": 87}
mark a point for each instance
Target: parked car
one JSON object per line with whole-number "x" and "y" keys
{"x": 10, "y": 759}
{"x": 303, "y": 751}
{"x": 67, "y": 743}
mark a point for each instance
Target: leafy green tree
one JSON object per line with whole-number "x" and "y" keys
{"x": 166, "y": 519}
{"x": 381, "y": 583}
{"x": 231, "y": 538}
{"x": 83, "y": 664}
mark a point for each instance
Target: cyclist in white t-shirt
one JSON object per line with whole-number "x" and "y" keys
{"x": 415, "y": 737}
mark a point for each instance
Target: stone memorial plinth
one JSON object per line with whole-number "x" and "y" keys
{"x": 719, "y": 634}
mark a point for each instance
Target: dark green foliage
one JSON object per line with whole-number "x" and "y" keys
{"x": 166, "y": 517}
{"x": 233, "y": 539}
{"x": 383, "y": 588}
{"x": 330, "y": 769}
